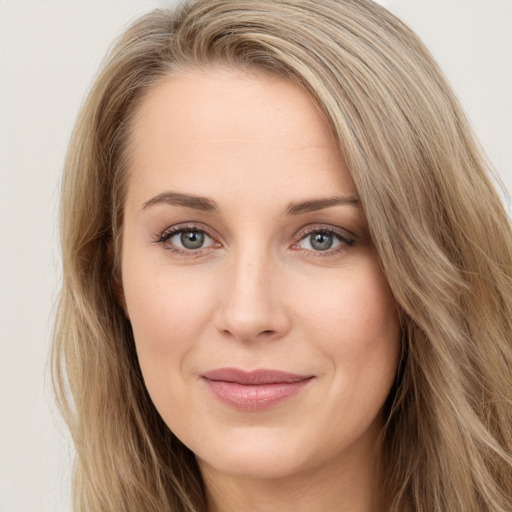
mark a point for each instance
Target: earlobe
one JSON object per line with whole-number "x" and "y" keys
{"x": 117, "y": 280}
{"x": 117, "y": 288}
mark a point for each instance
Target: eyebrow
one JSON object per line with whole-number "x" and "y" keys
{"x": 314, "y": 205}
{"x": 204, "y": 204}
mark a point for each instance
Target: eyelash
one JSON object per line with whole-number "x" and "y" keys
{"x": 345, "y": 239}
{"x": 175, "y": 230}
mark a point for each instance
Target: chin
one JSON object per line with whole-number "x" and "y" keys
{"x": 254, "y": 464}
{"x": 253, "y": 455}
{"x": 269, "y": 452}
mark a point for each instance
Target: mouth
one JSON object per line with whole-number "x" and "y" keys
{"x": 256, "y": 390}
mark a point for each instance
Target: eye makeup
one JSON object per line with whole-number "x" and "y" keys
{"x": 194, "y": 239}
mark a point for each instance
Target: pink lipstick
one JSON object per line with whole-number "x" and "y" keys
{"x": 256, "y": 390}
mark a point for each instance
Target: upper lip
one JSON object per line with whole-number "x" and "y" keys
{"x": 255, "y": 377}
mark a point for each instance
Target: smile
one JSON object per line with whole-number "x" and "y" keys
{"x": 254, "y": 391}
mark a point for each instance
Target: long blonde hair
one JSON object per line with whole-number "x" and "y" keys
{"x": 441, "y": 233}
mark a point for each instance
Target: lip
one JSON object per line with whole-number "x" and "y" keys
{"x": 255, "y": 390}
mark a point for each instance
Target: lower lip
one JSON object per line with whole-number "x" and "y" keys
{"x": 255, "y": 397}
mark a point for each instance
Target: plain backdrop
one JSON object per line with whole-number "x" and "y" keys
{"x": 49, "y": 52}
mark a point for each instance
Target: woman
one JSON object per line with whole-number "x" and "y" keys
{"x": 287, "y": 276}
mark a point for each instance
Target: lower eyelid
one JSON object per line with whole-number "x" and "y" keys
{"x": 164, "y": 238}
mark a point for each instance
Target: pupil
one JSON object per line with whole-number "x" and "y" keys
{"x": 321, "y": 241}
{"x": 192, "y": 239}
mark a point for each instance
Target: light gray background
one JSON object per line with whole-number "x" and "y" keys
{"x": 49, "y": 51}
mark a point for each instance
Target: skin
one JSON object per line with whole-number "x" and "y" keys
{"x": 257, "y": 294}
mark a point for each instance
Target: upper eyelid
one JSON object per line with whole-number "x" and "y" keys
{"x": 307, "y": 230}
{"x": 299, "y": 235}
{"x": 164, "y": 240}
{"x": 187, "y": 226}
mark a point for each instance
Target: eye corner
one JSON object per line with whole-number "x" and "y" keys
{"x": 336, "y": 240}
{"x": 173, "y": 239}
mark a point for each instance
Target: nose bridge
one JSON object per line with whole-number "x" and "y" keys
{"x": 252, "y": 306}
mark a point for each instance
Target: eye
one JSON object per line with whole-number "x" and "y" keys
{"x": 319, "y": 241}
{"x": 190, "y": 239}
{"x": 323, "y": 240}
{"x": 186, "y": 239}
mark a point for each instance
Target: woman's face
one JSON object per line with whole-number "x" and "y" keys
{"x": 266, "y": 332}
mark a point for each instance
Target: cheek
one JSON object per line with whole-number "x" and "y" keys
{"x": 168, "y": 311}
{"x": 355, "y": 323}
{"x": 356, "y": 305}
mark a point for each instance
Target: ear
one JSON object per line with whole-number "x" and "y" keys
{"x": 118, "y": 291}
{"x": 117, "y": 279}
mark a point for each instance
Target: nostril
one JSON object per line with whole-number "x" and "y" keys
{"x": 265, "y": 334}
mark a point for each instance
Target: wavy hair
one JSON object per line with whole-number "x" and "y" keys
{"x": 441, "y": 233}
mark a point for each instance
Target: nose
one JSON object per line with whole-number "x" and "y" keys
{"x": 253, "y": 301}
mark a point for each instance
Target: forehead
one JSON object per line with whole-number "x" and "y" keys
{"x": 220, "y": 125}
